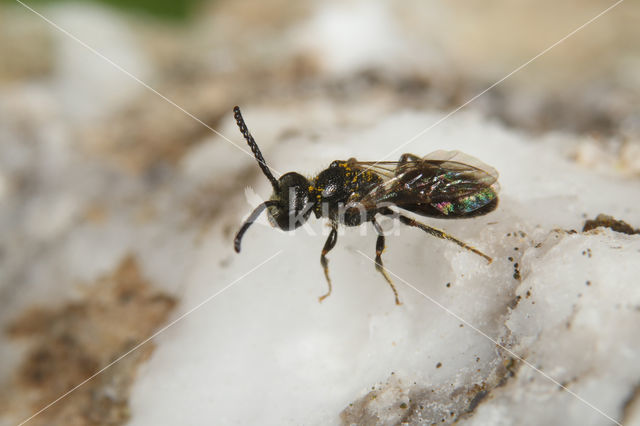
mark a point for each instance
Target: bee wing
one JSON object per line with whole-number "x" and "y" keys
{"x": 437, "y": 177}
{"x": 452, "y": 159}
{"x": 454, "y": 174}
{"x": 446, "y": 159}
{"x": 386, "y": 169}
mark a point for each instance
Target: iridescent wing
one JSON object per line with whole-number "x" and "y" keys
{"x": 443, "y": 183}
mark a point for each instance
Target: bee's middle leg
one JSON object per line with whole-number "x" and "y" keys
{"x": 328, "y": 245}
{"x": 379, "y": 249}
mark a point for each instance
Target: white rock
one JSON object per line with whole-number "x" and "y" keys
{"x": 92, "y": 84}
{"x": 265, "y": 351}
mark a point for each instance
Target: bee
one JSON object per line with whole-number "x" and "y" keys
{"x": 443, "y": 184}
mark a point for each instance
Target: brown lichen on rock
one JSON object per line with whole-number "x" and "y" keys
{"x": 605, "y": 221}
{"x": 68, "y": 344}
{"x": 395, "y": 402}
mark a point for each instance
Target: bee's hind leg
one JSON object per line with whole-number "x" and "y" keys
{"x": 434, "y": 231}
{"x": 379, "y": 249}
{"x": 328, "y": 245}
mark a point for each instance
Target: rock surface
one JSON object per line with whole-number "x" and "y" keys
{"x": 118, "y": 211}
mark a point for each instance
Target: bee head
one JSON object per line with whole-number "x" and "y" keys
{"x": 289, "y": 206}
{"x": 291, "y": 202}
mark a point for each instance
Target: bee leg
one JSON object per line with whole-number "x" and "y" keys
{"x": 379, "y": 266}
{"x": 328, "y": 245}
{"x": 436, "y": 233}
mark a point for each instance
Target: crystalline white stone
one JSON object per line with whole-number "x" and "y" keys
{"x": 266, "y": 351}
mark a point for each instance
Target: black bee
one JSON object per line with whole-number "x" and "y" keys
{"x": 444, "y": 184}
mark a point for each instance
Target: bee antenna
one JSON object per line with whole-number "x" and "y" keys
{"x": 247, "y": 223}
{"x": 254, "y": 148}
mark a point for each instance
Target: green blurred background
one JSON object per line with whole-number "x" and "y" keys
{"x": 164, "y": 9}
